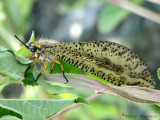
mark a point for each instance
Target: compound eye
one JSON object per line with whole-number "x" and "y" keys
{"x": 33, "y": 48}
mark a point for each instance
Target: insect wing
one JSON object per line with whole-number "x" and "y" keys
{"x": 107, "y": 60}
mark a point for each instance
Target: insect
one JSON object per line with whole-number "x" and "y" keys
{"x": 108, "y": 60}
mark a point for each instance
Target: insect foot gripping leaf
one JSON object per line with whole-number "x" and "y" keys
{"x": 107, "y": 60}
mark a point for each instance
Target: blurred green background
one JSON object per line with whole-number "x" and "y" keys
{"x": 83, "y": 20}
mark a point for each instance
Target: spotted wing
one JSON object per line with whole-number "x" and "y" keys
{"x": 107, "y": 60}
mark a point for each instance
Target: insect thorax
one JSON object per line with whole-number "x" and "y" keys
{"x": 44, "y": 51}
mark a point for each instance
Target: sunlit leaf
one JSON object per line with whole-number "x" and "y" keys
{"x": 36, "y": 109}
{"x": 11, "y": 66}
{"x": 111, "y": 16}
{"x": 158, "y": 73}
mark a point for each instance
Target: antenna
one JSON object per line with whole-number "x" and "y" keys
{"x": 21, "y": 41}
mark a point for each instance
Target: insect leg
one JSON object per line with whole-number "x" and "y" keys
{"x": 30, "y": 57}
{"x": 45, "y": 65}
{"x": 52, "y": 68}
{"x": 35, "y": 61}
{"x": 58, "y": 62}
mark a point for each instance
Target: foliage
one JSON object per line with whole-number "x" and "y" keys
{"x": 111, "y": 16}
{"x": 34, "y": 109}
{"x": 15, "y": 17}
{"x": 158, "y": 73}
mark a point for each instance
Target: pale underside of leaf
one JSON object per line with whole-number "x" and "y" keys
{"x": 132, "y": 93}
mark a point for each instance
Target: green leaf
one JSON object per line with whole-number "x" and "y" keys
{"x": 36, "y": 109}
{"x": 8, "y": 113}
{"x": 54, "y": 88}
{"x": 18, "y": 14}
{"x": 23, "y": 60}
{"x": 23, "y": 51}
{"x": 81, "y": 100}
{"x": 3, "y": 48}
{"x": 158, "y": 73}
{"x": 111, "y": 16}
{"x": 29, "y": 78}
{"x": 11, "y": 66}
